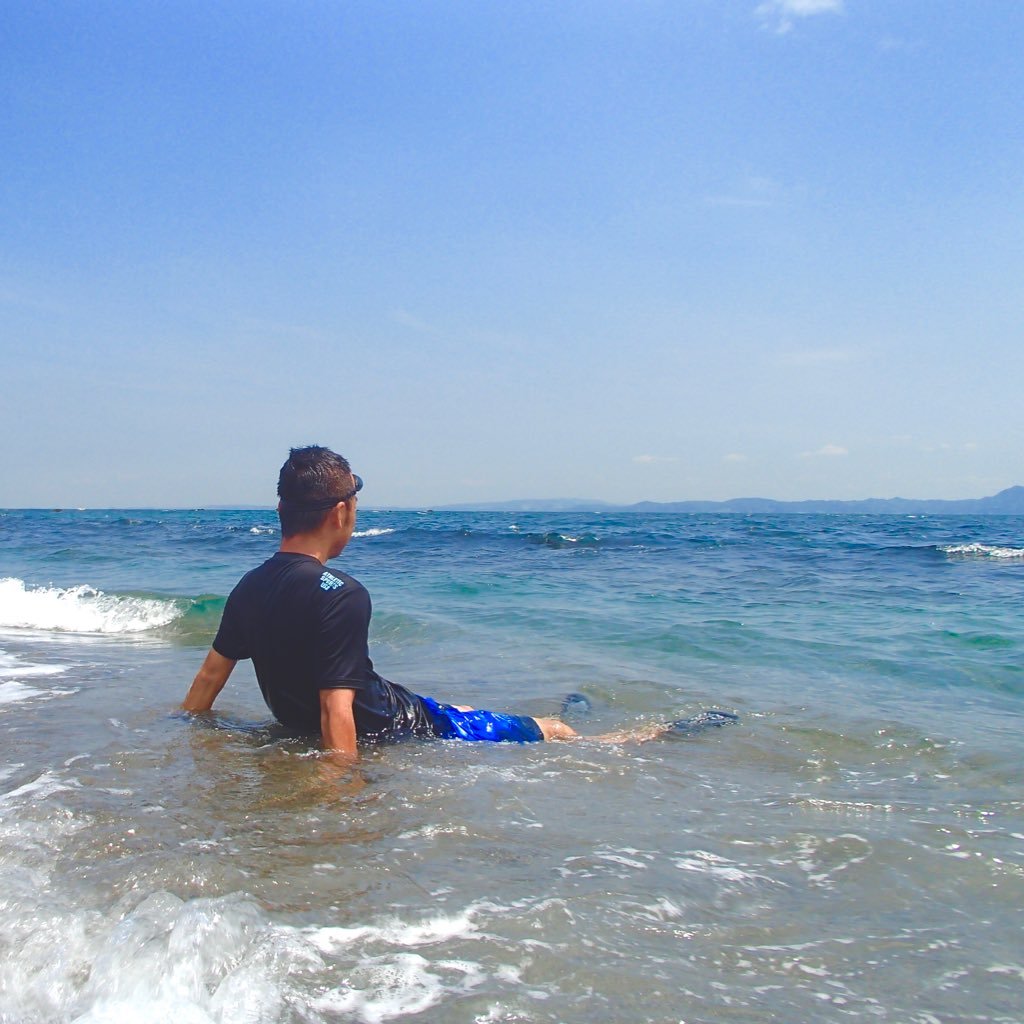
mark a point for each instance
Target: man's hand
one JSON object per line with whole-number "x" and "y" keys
{"x": 209, "y": 681}
{"x": 338, "y": 725}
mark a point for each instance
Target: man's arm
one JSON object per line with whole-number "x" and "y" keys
{"x": 209, "y": 681}
{"x": 338, "y": 724}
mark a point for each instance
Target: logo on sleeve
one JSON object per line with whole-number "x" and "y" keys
{"x": 330, "y": 582}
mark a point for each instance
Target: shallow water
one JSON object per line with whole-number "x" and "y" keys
{"x": 853, "y": 849}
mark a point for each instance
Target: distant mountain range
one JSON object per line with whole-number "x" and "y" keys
{"x": 1007, "y": 502}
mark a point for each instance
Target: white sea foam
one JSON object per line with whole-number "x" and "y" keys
{"x": 977, "y": 550}
{"x": 183, "y": 962}
{"x": 618, "y": 858}
{"x": 1011, "y": 970}
{"x": 81, "y": 609}
{"x": 390, "y": 988}
{"x": 821, "y": 859}
{"x": 395, "y": 932}
{"x": 12, "y": 667}
{"x": 399, "y": 985}
{"x": 703, "y": 862}
{"x": 387, "y": 979}
{"x": 39, "y": 788}
{"x": 199, "y": 961}
{"x": 220, "y": 960}
{"x": 13, "y": 692}
{"x": 376, "y": 531}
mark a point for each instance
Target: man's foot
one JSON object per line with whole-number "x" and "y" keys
{"x": 553, "y": 728}
{"x": 701, "y": 721}
{"x": 575, "y": 704}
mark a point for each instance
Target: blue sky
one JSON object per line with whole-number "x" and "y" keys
{"x": 630, "y": 250}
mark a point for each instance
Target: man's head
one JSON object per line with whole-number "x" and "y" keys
{"x": 310, "y": 485}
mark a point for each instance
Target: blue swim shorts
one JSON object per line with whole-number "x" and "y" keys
{"x": 453, "y": 724}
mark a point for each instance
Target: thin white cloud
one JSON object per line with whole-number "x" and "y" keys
{"x": 278, "y": 327}
{"x": 12, "y": 294}
{"x": 749, "y": 202}
{"x": 648, "y": 460}
{"x": 947, "y": 446}
{"x": 735, "y": 457}
{"x": 826, "y": 451}
{"x": 406, "y": 319}
{"x": 752, "y": 192}
{"x": 781, "y": 15}
{"x": 894, "y": 44}
{"x": 817, "y": 357}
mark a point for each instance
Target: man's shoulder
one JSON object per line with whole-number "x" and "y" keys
{"x": 282, "y": 570}
{"x": 337, "y": 588}
{"x": 300, "y": 572}
{"x": 308, "y": 572}
{"x": 331, "y": 580}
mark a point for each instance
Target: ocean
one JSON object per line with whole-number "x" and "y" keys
{"x": 852, "y": 849}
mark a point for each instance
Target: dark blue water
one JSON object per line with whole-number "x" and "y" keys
{"x": 854, "y": 848}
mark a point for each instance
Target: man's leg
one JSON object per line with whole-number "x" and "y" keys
{"x": 552, "y": 728}
{"x": 555, "y": 729}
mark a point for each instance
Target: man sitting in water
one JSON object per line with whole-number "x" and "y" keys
{"x": 306, "y": 629}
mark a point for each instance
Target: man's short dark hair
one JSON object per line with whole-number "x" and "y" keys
{"x": 311, "y": 476}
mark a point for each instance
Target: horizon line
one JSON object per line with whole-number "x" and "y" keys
{"x": 496, "y": 505}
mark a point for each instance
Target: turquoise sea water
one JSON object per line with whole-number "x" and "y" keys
{"x": 852, "y": 850}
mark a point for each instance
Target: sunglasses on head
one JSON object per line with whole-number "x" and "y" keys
{"x": 325, "y": 503}
{"x": 355, "y": 490}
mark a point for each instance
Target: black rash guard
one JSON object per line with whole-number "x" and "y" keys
{"x": 305, "y": 627}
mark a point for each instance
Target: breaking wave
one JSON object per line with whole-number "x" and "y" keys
{"x": 81, "y": 609}
{"x": 977, "y": 550}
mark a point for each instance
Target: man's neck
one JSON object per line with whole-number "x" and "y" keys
{"x": 307, "y": 544}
